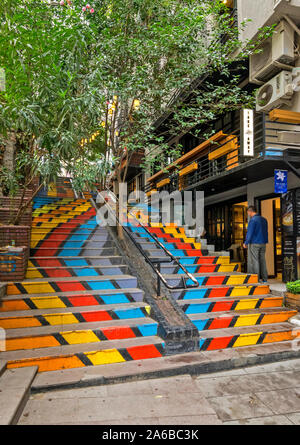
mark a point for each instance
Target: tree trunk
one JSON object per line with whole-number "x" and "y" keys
{"x": 8, "y": 160}
{"x": 23, "y": 207}
{"x": 116, "y": 192}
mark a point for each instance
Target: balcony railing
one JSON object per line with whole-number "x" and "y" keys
{"x": 224, "y": 155}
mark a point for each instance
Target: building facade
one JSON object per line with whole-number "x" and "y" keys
{"x": 236, "y": 166}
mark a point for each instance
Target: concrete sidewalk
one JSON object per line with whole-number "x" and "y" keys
{"x": 176, "y": 400}
{"x": 266, "y": 394}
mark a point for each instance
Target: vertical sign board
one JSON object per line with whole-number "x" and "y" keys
{"x": 247, "y": 133}
{"x": 281, "y": 181}
{"x": 289, "y": 250}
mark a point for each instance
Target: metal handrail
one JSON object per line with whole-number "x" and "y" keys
{"x": 157, "y": 261}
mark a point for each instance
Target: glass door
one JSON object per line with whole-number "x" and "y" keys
{"x": 239, "y": 223}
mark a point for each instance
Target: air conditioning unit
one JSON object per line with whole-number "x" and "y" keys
{"x": 275, "y": 54}
{"x": 275, "y": 92}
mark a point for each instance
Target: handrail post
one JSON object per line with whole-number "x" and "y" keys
{"x": 158, "y": 280}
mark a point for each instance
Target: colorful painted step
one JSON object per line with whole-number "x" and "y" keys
{"x": 231, "y": 319}
{"x": 200, "y": 268}
{"x": 71, "y": 243}
{"x": 82, "y": 236}
{"x": 86, "y": 354}
{"x": 75, "y": 261}
{"x": 158, "y": 253}
{"x": 75, "y": 337}
{"x": 72, "y": 284}
{"x": 230, "y": 304}
{"x": 67, "y": 300}
{"x": 215, "y": 279}
{"x": 55, "y": 272}
{"x": 221, "y": 291}
{"x": 63, "y": 318}
{"x": 211, "y": 340}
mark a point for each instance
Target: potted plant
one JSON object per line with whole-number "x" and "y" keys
{"x": 292, "y": 296}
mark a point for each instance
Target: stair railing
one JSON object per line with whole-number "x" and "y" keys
{"x": 154, "y": 263}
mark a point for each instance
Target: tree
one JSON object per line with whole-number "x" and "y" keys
{"x": 146, "y": 51}
{"x": 50, "y": 102}
{"x": 112, "y": 68}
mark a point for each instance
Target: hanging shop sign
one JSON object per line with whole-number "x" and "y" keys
{"x": 281, "y": 181}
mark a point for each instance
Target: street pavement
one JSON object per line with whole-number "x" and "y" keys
{"x": 258, "y": 395}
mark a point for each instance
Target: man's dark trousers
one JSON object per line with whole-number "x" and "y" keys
{"x": 257, "y": 260}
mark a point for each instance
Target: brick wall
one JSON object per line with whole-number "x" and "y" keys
{"x": 20, "y": 234}
{"x": 13, "y": 265}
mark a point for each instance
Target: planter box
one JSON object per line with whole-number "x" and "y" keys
{"x": 13, "y": 264}
{"x": 19, "y": 234}
{"x": 292, "y": 301}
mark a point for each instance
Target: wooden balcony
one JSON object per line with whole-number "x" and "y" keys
{"x": 221, "y": 154}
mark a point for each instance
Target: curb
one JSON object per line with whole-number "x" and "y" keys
{"x": 193, "y": 369}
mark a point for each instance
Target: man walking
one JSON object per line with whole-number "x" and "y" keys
{"x": 256, "y": 240}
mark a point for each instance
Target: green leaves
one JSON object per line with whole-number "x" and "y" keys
{"x": 86, "y": 174}
{"x": 293, "y": 287}
{"x": 65, "y": 69}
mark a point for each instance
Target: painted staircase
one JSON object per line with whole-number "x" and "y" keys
{"x": 229, "y": 308}
{"x": 78, "y": 306}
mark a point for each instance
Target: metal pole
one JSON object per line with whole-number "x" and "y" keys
{"x": 158, "y": 281}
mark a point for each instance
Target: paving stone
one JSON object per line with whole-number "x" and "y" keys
{"x": 270, "y": 420}
{"x": 143, "y": 405}
{"x": 184, "y": 384}
{"x": 190, "y": 420}
{"x": 232, "y": 372}
{"x": 223, "y": 386}
{"x": 127, "y": 421}
{"x": 287, "y": 400}
{"x": 47, "y": 412}
{"x": 243, "y": 384}
{"x": 93, "y": 391}
{"x": 294, "y": 418}
{"x": 243, "y": 406}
